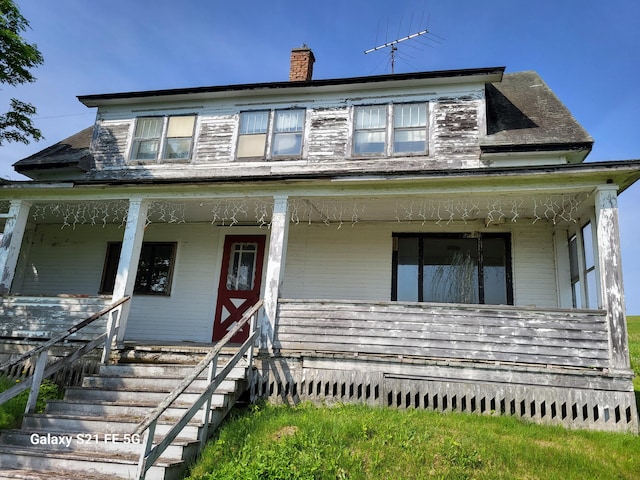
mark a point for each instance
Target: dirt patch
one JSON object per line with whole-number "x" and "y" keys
{"x": 288, "y": 431}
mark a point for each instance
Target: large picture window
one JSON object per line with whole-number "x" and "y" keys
{"x": 452, "y": 268}
{"x": 155, "y": 268}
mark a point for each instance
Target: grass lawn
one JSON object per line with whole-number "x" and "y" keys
{"x": 357, "y": 442}
{"x": 11, "y": 412}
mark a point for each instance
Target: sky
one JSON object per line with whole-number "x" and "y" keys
{"x": 587, "y": 51}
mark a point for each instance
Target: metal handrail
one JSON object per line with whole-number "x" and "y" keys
{"x": 150, "y": 454}
{"x": 35, "y": 379}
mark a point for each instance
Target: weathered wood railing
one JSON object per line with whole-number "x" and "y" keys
{"x": 147, "y": 427}
{"x": 489, "y": 333}
{"x": 42, "y": 371}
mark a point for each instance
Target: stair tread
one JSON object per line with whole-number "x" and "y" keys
{"x": 50, "y": 475}
{"x": 180, "y": 441}
{"x": 134, "y": 419}
{"x": 94, "y": 456}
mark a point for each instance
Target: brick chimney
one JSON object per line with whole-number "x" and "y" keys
{"x": 301, "y": 68}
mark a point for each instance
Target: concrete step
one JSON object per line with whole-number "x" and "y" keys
{"x": 22, "y": 474}
{"x": 181, "y": 448}
{"x": 86, "y": 464}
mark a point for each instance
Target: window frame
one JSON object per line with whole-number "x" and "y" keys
{"x": 582, "y": 292}
{"x": 163, "y": 140}
{"x": 110, "y": 268}
{"x": 421, "y": 236}
{"x": 270, "y": 135}
{"x": 390, "y": 130}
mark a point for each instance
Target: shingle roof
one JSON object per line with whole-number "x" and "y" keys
{"x": 70, "y": 152}
{"x": 523, "y": 114}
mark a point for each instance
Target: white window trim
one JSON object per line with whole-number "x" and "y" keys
{"x": 390, "y": 130}
{"x": 160, "y": 158}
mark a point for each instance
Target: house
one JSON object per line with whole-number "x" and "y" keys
{"x": 429, "y": 240}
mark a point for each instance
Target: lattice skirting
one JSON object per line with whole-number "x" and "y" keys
{"x": 572, "y": 408}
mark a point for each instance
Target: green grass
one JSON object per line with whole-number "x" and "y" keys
{"x": 11, "y": 412}
{"x": 356, "y": 442}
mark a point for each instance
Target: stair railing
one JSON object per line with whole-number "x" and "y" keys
{"x": 41, "y": 369}
{"x": 146, "y": 429}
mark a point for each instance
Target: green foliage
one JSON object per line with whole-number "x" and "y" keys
{"x": 357, "y": 442}
{"x": 11, "y": 412}
{"x": 17, "y": 58}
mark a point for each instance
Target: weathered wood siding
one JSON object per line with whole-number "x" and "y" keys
{"x": 455, "y": 127}
{"x": 471, "y": 333}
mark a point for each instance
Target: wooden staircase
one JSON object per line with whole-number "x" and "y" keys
{"x": 88, "y": 434}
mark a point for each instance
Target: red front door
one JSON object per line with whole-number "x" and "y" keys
{"x": 240, "y": 279}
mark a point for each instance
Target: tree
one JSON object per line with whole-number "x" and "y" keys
{"x": 17, "y": 58}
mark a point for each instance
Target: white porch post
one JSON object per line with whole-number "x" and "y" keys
{"x": 610, "y": 263}
{"x": 275, "y": 266}
{"x": 129, "y": 257}
{"x": 11, "y": 242}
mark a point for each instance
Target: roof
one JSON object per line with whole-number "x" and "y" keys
{"x": 523, "y": 114}
{"x": 489, "y": 74}
{"x": 70, "y": 152}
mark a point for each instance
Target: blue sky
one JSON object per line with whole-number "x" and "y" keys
{"x": 588, "y": 52}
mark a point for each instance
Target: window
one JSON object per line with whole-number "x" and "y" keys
{"x": 242, "y": 266}
{"x": 285, "y": 127}
{"x": 452, "y": 268}
{"x": 166, "y": 138}
{"x": 155, "y": 268}
{"x": 408, "y": 132}
{"x": 582, "y": 265}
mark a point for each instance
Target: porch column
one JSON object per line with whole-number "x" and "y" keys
{"x": 129, "y": 257}
{"x": 610, "y": 263}
{"x": 275, "y": 266}
{"x": 11, "y": 241}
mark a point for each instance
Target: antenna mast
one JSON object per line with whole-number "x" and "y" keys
{"x": 394, "y": 47}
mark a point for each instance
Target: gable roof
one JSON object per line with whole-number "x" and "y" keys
{"x": 524, "y": 115}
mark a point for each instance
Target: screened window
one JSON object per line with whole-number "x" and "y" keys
{"x": 446, "y": 268}
{"x": 405, "y": 134}
{"x": 163, "y": 138}
{"x": 286, "y": 133}
{"x": 242, "y": 266}
{"x": 155, "y": 268}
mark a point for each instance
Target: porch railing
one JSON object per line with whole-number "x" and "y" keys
{"x": 41, "y": 369}
{"x": 147, "y": 427}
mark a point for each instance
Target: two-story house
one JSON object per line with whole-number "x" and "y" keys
{"x": 429, "y": 240}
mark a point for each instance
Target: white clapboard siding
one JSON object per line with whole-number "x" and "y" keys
{"x": 347, "y": 263}
{"x": 471, "y": 333}
{"x": 534, "y": 276}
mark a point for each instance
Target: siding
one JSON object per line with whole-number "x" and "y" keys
{"x": 71, "y": 261}
{"x": 215, "y": 139}
{"x": 328, "y": 133}
{"x": 111, "y": 139}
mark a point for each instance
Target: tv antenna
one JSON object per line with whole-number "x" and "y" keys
{"x": 394, "y": 46}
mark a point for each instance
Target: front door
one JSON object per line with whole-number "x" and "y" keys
{"x": 240, "y": 279}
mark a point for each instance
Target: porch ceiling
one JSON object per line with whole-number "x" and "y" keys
{"x": 441, "y": 208}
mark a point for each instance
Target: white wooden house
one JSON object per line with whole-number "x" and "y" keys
{"x": 430, "y": 240}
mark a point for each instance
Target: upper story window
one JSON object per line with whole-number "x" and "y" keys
{"x": 271, "y": 134}
{"x": 390, "y": 129}
{"x": 163, "y": 138}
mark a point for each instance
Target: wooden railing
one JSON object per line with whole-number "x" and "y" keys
{"x": 147, "y": 427}
{"x": 41, "y": 370}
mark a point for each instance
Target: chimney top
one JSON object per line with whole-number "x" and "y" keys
{"x": 301, "y": 67}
